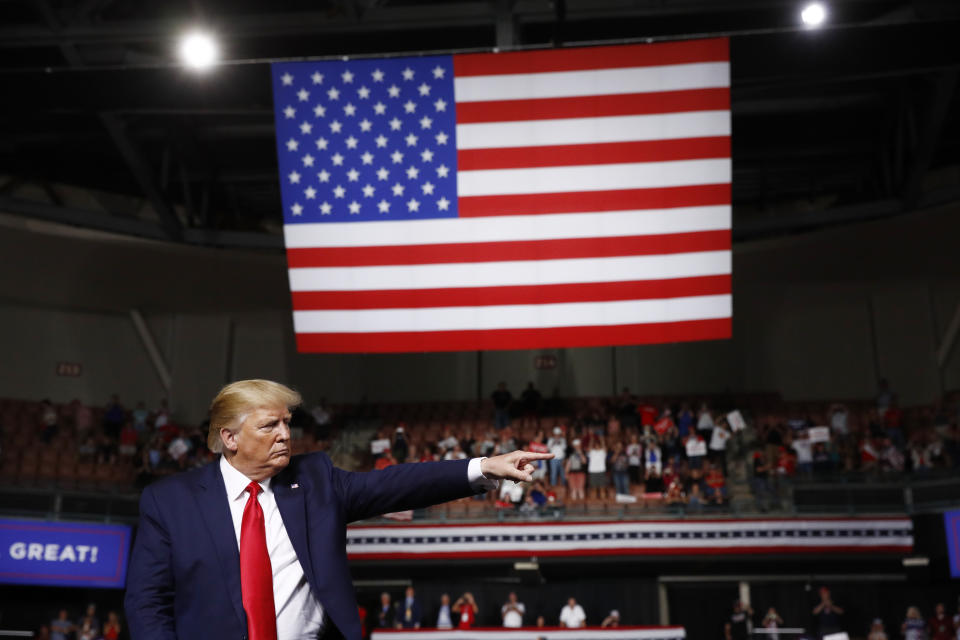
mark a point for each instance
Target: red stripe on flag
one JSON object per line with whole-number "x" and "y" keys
{"x": 525, "y": 294}
{"x": 582, "y": 201}
{"x": 586, "y": 58}
{"x": 628, "y": 104}
{"x": 541, "y": 338}
{"x": 593, "y": 154}
{"x": 559, "y": 249}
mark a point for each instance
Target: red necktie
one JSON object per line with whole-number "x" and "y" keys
{"x": 256, "y": 575}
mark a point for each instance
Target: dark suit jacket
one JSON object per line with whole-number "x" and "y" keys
{"x": 184, "y": 576}
{"x": 401, "y": 616}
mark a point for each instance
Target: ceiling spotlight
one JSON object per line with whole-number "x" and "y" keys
{"x": 813, "y": 14}
{"x": 198, "y": 50}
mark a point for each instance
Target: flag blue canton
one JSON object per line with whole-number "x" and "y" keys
{"x": 365, "y": 140}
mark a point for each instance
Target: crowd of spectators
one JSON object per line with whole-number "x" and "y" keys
{"x": 85, "y": 627}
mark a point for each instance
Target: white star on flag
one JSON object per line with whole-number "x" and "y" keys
{"x": 379, "y": 108}
{"x": 397, "y": 157}
{"x": 319, "y": 111}
{"x": 427, "y": 188}
{"x": 347, "y": 76}
{"x": 413, "y": 205}
{"x": 294, "y": 177}
{"x": 440, "y": 105}
{"x": 365, "y": 125}
{"x": 352, "y": 142}
{"x": 325, "y": 208}
{"x": 408, "y": 74}
{"x": 292, "y": 145}
{"x": 367, "y": 157}
{"x": 349, "y": 109}
{"x": 377, "y": 75}
{"x": 354, "y": 207}
{"x": 393, "y": 91}
{"x": 363, "y": 92}
{"x": 306, "y": 128}
{"x": 383, "y": 206}
{"x": 321, "y": 144}
{"x": 286, "y": 79}
{"x": 397, "y": 189}
{"x": 338, "y": 191}
{"x": 296, "y": 209}
{"x": 353, "y": 175}
{"x": 310, "y": 193}
{"x": 443, "y": 204}
{"x": 442, "y": 171}
{"x": 381, "y": 140}
{"x": 333, "y": 93}
{"x": 308, "y": 160}
{"x": 368, "y": 190}
{"x": 425, "y": 122}
{"x": 382, "y": 173}
{"x": 424, "y": 89}
{"x": 337, "y": 159}
{"x": 289, "y": 112}
{"x": 426, "y": 155}
{"x": 411, "y": 140}
{"x": 412, "y": 172}
{"x": 335, "y": 126}
{"x": 303, "y": 95}
{"x": 317, "y": 77}
{"x": 409, "y": 106}
{"x": 441, "y": 138}
{"x": 324, "y": 176}
{"x": 438, "y": 72}
{"x": 395, "y": 124}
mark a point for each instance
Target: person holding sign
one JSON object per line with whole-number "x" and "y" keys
{"x": 252, "y": 545}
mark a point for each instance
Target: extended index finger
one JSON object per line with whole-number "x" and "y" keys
{"x": 533, "y": 455}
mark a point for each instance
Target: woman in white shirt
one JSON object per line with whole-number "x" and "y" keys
{"x": 597, "y": 467}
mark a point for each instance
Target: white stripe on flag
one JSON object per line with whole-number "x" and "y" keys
{"x": 511, "y": 273}
{"x": 633, "y": 175}
{"x": 515, "y": 316}
{"x": 537, "y": 133}
{"x": 594, "y": 82}
{"x": 506, "y": 228}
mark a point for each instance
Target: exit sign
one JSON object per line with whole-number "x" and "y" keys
{"x": 69, "y": 369}
{"x": 545, "y": 362}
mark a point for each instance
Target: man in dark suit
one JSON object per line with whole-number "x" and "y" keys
{"x": 252, "y": 546}
{"x": 408, "y": 611}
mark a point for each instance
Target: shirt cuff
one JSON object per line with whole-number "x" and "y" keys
{"x": 479, "y": 482}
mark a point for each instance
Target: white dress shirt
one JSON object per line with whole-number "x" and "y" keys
{"x": 299, "y": 613}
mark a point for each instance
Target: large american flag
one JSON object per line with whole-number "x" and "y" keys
{"x": 561, "y": 198}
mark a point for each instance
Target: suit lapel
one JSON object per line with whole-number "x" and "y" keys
{"x": 293, "y": 511}
{"x": 215, "y": 508}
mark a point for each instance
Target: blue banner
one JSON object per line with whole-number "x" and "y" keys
{"x": 71, "y": 554}
{"x": 951, "y": 521}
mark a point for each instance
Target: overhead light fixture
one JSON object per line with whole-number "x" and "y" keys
{"x": 813, "y": 14}
{"x": 198, "y": 50}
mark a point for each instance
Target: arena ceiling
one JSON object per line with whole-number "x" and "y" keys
{"x": 102, "y": 129}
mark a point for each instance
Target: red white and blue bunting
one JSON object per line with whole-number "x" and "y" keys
{"x": 550, "y": 633}
{"x": 668, "y": 537}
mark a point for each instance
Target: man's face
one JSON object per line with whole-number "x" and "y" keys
{"x": 261, "y": 446}
{"x": 63, "y": 614}
{"x": 512, "y": 597}
{"x": 572, "y": 602}
{"x": 409, "y": 592}
{"x": 385, "y": 598}
{"x": 940, "y": 610}
{"x": 444, "y": 599}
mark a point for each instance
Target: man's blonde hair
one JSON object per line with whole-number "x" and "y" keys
{"x": 239, "y": 398}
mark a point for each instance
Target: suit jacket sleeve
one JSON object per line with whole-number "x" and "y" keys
{"x": 401, "y": 487}
{"x": 150, "y": 589}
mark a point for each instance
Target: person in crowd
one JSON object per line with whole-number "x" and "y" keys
{"x": 385, "y": 612}
{"x": 61, "y": 627}
{"x": 771, "y": 622}
{"x": 695, "y": 499}
{"x": 956, "y": 619}
{"x": 597, "y": 467}
{"x": 827, "y": 614}
{"x": 696, "y": 449}
{"x": 49, "y": 418}
{"x": 718, "y": 445}
{"x": 90, "y": 617}
{"x": 737, "y": 626}
{"x": 804, "y": 449}
{"x": 539, "y": 446}
{"x": 444, "y": 617}
{"x": 635, "y": 457}
{"x": 139, "y": 417}
{"x": 557, "y": 445}
{"x": 466, "y": 608}
{"x": 572, "y": 615}
{"x": 43, "y": 633}
{"x": 914, "y": 627}
{"x": 620, "y": 469}
{"x": 113, "y": 417}
{"x": 385, "y": 460}
{"x": 455, "y": 454}
{"x": 884, "y": 396}
{"x": 408, "y": 612}
{"x": 161, "y": 417}
{"x": 541, "y": 622}
{"x": 400, "y": 447}
{"x": 530, "y": 398}
{"x": 612, "y": 621}
{"x": 876, "y": 630}
{"x": 675, "y": 495}
{"x": 576, "y": 469}
{"x": 112, "y": 627}
{"x": 704, "y": 419}
{"x": 512, "y": 612}
{"x": 762, "y": 489}
{"x": 716, "y": 485}
{"x": 940, "y": 626}
{"x": 502, "y": 398}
